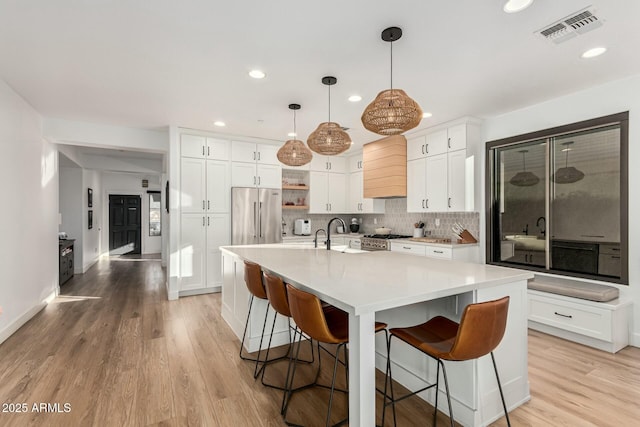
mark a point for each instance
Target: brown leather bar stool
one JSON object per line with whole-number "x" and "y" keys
{"x": 253, "y": 280}
{"x": 277, "y": 295}
{"x": 329, "y": 325}
{"x": 479, "y": 332}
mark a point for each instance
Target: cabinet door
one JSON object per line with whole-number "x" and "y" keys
{"x": 218, "y": 234}
{"x": 355, "y": 163}
{"x": 218, "y": 194}
{"x": 267, "y": 154}
{"x": 337, "y": 192}
{"x": 192, "y": 185}
{"x": 192, "y": 251}
{"x": 318, "y": 192}
{"x": 269, "y": 176}
{"x": 456, "y": 180}
{"x": 193, "y": 146}
{"x": 436, "y": 143}
{"x": 243, "y": 174}
{"x": 416, "y": 185}
{"x": 436, "y": 195}
{"x": 319, "y": 163}
{"x": 416, "y": 148}
{"x": 337, "y": 164}
{"x": 355, "y": 193}
{"x": 243, "y": 151}
{"x": 457, "y": 137}
{"x": 373, "y": 206}
{"x": 217, "y": 149}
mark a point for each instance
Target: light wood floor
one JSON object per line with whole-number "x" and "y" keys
{"x": 120, "y": 354}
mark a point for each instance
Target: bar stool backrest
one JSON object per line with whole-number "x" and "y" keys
{"x": 307, "y": 312}
{"x": 277, "y": 294}
{"x": 481, "y": 329}
{"x": 253, "y": 279}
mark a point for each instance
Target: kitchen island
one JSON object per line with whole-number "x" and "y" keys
{"x": 400, "y": 290}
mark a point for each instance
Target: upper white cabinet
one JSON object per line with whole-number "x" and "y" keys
{"x": 355, "y": 163}
{"x": 356, "y": 203}
{"x": 254, "y": 153}
{"x": 333, "y": 164}
{"x": 202, "y": 147}
{"x": 327, "y": 192}
{"x": 255, "y": 165}
{"x": 204, "y": 186}
{"x": 436, "y": 170}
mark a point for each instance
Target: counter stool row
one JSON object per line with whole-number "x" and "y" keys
{"x": 479, "y": 332}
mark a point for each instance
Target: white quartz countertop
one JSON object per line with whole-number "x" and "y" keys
{"x": 372, "y": 281}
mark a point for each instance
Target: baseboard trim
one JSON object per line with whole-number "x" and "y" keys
{"x": 89, "y": 265}
{"x": 12, "y": 327}
{"x": 635, "y": 340}
{"x": 202, "y": 291}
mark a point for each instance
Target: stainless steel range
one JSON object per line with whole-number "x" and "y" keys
{"x": 379, "y": 242}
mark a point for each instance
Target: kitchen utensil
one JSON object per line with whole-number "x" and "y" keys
{"x": 418, "y": 232}
{"x": 383, "y": 230}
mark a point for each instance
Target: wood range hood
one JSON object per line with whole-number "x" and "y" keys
{"x": 384, "y": 165}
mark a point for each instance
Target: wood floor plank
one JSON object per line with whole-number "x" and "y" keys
{"x": 121, "y": 354}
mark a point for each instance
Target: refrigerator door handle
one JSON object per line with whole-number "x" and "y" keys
{"x": 254, "y": 219}
{"x": 260, "y": 222}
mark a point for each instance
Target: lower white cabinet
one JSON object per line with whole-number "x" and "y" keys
{"x": 327, "y": 192}
{"x": 201, "y": 236}
{"x": 467, "y": 253}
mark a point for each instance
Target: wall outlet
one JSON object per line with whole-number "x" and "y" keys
{"x": 437, "y": 222}
{"x": 375, "y": 221}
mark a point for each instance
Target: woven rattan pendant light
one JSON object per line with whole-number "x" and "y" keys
{"x": 393, "y": 111}
{"x": 294, "y": 152}
{"x": 524, "y": 178}
{"x": 329, "y": 138}
{"x": 567, "y": 174}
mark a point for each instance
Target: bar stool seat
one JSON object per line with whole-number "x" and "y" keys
{"x": 479, "y": 332}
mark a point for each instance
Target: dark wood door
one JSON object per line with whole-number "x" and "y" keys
{"x": 125, "y": 224}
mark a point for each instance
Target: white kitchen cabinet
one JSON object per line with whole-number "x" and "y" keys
{"x": 426, "y": 184}
{"x": 416, "y": 148}
{"x": 355, "y": 163}
{"x": 255, "y": 175}
{"x": 202, "y": 147}
{"x": 436, "y": 143}
{"x": 218, "y": 188}
{"x": 327, "y": 192}
{"x": 193, "y": 252}
{"x": 467, "y": 253}
{"x": 333, "y": 164}
{"x": 193, "y": 179}
{"x": 416, "y": 185}
{"x": 218, "y": 234}
{"x": 357, "y": 203}
{"x": 456, "y": 180}
{"x": 254, "y": 153}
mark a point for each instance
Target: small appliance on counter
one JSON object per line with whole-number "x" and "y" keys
{"x": 302, "y": 227}
{"x": 354, "y": 227}
{"x": 62, "y": 235}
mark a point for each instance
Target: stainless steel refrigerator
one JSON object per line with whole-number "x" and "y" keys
{"x": 256, "y": 215}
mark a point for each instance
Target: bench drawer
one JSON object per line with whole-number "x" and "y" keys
{"x": 581, "y": 319}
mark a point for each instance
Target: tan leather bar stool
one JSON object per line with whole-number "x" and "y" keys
{"x": 253, "y": 280}
{"x": 479, "y": 332}
{"x": 330, "y": 326}
{"x": 277, "y": 295}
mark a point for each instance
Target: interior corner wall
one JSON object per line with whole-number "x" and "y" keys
{"x": 91, "y": 237}
{"x": 71, "y": 209}
{"x": 130, "y": 183}
{"x": 610, "y": 98}
{"x": 29, "y": 186}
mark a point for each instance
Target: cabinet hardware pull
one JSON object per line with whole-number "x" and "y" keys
{"x": 438, "y": 252}
{"x": 258, "y": 180}
{"x": 448, "y": 142}
{"x": 203, "y": 206}
{"x": 203, "y": 150}
{"x": 203, "y": 221}
{"x": 426, "y": 148}
{"x": 330, "y": 165}
{"x": 406, "y": 247}
{"x": 326, "y": 165}
{"x": 254, "y": 155}
{"x": 209, "y": 204}
{"x": 427, "y": 203}
{"x": 208, "y": 151}
{"x": 422, "y": 203}
{"x": 615, "y": 257}
{"x": 591, "y": 235}
{"x": 422, "y": 148}
{"x": 208, "y": 221}
{"x": 330, "y": 207}
{"x": 449, "y": 202}
{"x": 258, "y": 156}
{"x": 568, "y": 316}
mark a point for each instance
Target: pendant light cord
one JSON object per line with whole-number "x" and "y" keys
{"x": 329, "y": 103}
{"x": 391, "y": 83}
{"x": 295, "y": 132}
{"x": 524, "y": 161}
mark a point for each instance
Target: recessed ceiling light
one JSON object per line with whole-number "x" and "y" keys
{"x": 426, "y": 115}
{"x": 592, "y": 53}
{"x": 292, "y": 134}
{"x": 219, "y": 124}
{"x": 355, "y": 98}
{"x": 513, "y": 6}
{"x": 257, "y": 74}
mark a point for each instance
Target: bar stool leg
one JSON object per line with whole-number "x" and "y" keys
{"x": 446, "y": 385}
{"x": 333, "y": 383}
{"x": 256, "y": 372}
{"x": 504, "y": 405}
{"x": 388, "y": 379}
{"x": 244, "y": 334}
{"x": 435, "y": 408}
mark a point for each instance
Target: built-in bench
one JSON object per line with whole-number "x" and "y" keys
{"x": 588, "y": 313}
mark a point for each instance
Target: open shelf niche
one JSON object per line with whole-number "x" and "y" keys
{"x": 295, "y": 189}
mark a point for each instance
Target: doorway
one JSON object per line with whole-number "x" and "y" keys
{"x": 125, "y": 224}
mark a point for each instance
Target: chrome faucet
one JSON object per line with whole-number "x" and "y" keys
{"x": 543, "y": 229}
{"x": 329, "y": 230}
{"x": 315, "y": 241}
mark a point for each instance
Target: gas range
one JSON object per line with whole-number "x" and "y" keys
{"x": 379, "y": 242}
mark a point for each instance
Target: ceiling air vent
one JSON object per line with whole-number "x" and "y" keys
{"x": 571, "y": 26}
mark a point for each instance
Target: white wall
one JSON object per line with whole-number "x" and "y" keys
{"x": 29, "y": 218}
{"x": 121, "y": 183}
{"x": 91, "y": 238}
{"x": 70, "y": 199}
{"x": 610, "y": 98}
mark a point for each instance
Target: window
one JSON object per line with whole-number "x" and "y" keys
{"x": 558, "y": 200}
{"x": 155, "y": 214}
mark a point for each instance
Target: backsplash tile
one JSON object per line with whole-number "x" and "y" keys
{"x": 396, "y": 218}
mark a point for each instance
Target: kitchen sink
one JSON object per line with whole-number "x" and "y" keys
{"x": 346, "y": 250}
{"x": 526, "y": 242}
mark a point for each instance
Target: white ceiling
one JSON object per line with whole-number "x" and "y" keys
{"x": 149, "y": 64}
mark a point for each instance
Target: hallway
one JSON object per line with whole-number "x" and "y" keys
{"x": 119, "y": 354}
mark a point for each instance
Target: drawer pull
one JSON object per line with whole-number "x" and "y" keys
{"x": 568, "y": 316}
{"x": 406, "y": 247}
{"x": 438, "y": 252}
